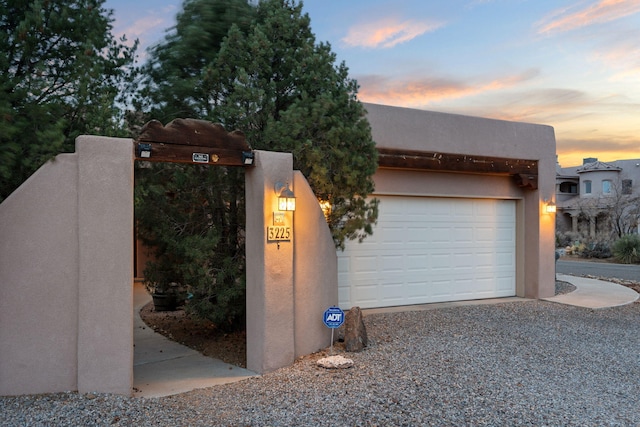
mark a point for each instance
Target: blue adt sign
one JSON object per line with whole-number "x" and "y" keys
{"x": 333, "y": 317}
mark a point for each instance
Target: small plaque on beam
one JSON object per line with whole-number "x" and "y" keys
{"x": 200, "y": 158}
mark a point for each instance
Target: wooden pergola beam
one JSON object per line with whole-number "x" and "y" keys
{"x": 525, "y": 172}
{"x": 192, "y": 141}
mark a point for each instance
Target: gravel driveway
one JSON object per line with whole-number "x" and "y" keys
{"x": 520, "y": 363}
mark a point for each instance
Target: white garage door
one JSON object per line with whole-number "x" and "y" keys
{"x": 426, "y": 250}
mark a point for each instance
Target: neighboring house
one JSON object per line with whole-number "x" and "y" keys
{"x": 598, "y": 199}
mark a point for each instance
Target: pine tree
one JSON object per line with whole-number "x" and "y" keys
{"x": 271, "y": 80}
{"x": 60, "y": 74}
{"x": 285, "y": 92}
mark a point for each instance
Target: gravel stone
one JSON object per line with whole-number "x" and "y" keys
{"x": 530, "y": 363}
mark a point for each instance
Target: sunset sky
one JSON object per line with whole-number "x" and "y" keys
{"x": 574, "y": 65}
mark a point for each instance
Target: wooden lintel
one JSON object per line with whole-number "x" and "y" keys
{"x": 445, "y": 162}
{"x": 192, "y": 141}
{"x": 160, "y": 152}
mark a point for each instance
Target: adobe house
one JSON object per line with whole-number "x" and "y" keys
{"x": 462, "y": 212}
{"x": 462, "y": 216}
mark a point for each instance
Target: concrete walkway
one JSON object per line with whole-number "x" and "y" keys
{"x": 162, "y": 367}
{"x": 592, "y": 293}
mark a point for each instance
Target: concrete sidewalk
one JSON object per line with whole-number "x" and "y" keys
{"x": 162, "y": 367}
{"x": 592, "y": 293}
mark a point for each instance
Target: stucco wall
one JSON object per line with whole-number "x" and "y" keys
{"x": 39, "y": 282}
{"x": 315, "y": 271}
{"x": 66, "y": 320}
{"x": 270, "y": 336}
{"x": 409, "y": 129}
{"x": 105, "y": 234}
{"x": 597, "y": 177}
{"x": 290, "y": 284}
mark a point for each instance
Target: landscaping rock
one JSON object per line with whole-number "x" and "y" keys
{"x": 335, "y": 362}
{"x": 355, "y": 333}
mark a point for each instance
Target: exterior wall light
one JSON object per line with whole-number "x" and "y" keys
{"x": 286, "y": 198}
{"x": 550, "y": 207}
{"x": 144, "y": 150}
{"x": 247, "y": 158}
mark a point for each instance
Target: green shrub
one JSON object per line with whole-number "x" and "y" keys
{"x": 627, "y": 249}
{"x": 190, "y": 216}
{"x": 596, "y": 250}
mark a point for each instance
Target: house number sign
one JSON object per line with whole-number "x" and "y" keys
{"x": 200, "y": 158}
{"x": 278, "y": 234}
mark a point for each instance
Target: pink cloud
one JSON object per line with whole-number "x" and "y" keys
{"x": 387, "y": 33}
{"x": 625, "y": 57}
{"x": 419, "y": 92}
{"x": 601, "y": 12}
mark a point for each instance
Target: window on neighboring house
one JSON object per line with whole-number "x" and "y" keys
{"x": 587, "y": 187}
{"x": 606, "y": 187}
{"x": 569, "y": 187}
{"x": 627, "y": 186}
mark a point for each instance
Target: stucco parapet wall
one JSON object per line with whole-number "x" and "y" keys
{"x": 420, "y": 130}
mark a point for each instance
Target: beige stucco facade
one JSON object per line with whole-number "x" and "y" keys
{"x": 66, "y": 249}
{"x": 289, "y": 283}
{"x": 418, "y": 130}
{"x": 66, "y": 274}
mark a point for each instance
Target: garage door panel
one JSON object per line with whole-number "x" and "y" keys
{"x": 504, "y": 285}
{"x": 440, "y": 234}
{"x": 431, "y": 250}
{"x": 366, "y": 292}
{"x": 441, "y": 261}
{"x": 505, "y": 259}
{"x": 462, "y": 235}
{"x": 391, "y": 263}
{"x": 417, "y": 263}
{"x": 417, "y": 234}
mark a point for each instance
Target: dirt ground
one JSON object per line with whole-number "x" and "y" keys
{"x": 204, "y": 337}
{"x": 200, "y": 335}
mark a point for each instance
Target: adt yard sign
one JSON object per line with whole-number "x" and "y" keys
{"x": 333, "y": 317}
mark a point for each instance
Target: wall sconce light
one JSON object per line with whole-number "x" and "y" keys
{"x": 550, "y": 207}
{"x": 286, "y": 198}
{"x": 247, "y": 158}
{"x": 144, "y": 150}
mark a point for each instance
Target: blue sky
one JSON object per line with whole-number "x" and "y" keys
{"x": 574, "y": 65}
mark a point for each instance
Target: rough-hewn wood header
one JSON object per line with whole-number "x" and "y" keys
{"x": 524, "y": 172}
{"x": 192, "y": 141}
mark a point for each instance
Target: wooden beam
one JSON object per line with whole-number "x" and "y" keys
{"x": 524, "y": 171}
{"x": 170, "y": 153}
{"x": 192, "y": 141}
{"x": 529, "y": 181}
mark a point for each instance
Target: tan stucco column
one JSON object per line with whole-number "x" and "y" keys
{"x": 574, "y": 223}
{"x": 270, "y": 298}
{"x": 105, "y": 288}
